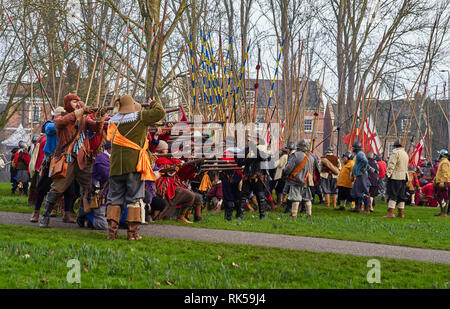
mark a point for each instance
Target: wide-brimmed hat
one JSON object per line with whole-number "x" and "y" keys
{"x": 128, "y": 104}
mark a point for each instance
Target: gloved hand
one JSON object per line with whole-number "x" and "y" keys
{"x": 100, "y": 115}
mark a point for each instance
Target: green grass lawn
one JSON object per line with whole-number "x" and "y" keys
{"x": 35, "y": 258}
{"x": 419, "y": 229}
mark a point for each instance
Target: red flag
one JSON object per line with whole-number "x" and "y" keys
{"x": 414, "y": 158}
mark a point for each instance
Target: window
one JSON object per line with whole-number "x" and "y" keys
{"x": 390, "y": 149}
{"x": 250, "y": 95}
{"x": 36, "y": 113}
{"x": 403, "y": 124}
{"x": 308, "y": 125}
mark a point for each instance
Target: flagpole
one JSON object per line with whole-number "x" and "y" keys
{"x": 389, "y": 117}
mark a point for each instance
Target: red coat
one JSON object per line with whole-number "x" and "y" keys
{"x": 65, "y": 130}
{"x": 383, "y": 169}
{"x": 41, "y": 141}
{"x": 428, "y": 192}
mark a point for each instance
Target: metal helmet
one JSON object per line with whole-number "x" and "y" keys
{"x": 22, "y": 145}
{"x": 290, "y": 146}
{"x": 357, "y": 146}
{"x": 371, "y": 155}
{"x": 443, "y": 153}
{"x": 302, "y": 145}
{"x": 330, "y": 150}
{"x": 398, "y": 143}
{"x": 348, "y": 154}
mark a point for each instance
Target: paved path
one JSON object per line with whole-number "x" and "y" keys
{"x": 262, "y": 239}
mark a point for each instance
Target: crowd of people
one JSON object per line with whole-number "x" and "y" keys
{"x": 118, "y": 174}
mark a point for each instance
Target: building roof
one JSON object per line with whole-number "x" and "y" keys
{"x": 19, "y": 135}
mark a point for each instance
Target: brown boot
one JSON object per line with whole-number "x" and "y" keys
{"x": 182, "y": 216}
{"x": 113, "y": 228}
{"x": 35, "y": 217}
{"x": 68, "y": 218}
{"x": 54, "y": 210}
{"x": 391, "y": 213}
{"x": 132, "y": 233}
{"x": 183, "y": 219}
{"x": 357, "y": 209}
{"x": 113, "y": 217}
{"x": 133, "y": 220}
{"x": 400, "y": 213}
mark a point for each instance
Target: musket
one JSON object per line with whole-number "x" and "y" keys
{"x": 173, "y": 167}
{"x": 110, "y": 108}
{"x": 220, "y": 169}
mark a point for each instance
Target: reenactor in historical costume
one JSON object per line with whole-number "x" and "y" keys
{"x": 279, "y": 181}
{"x": 441, "y": 183}
{"x": 360, "y": 189}
{"x": 397, "y": 175}
{"x": 345, "y": 180}
{"x": 72, "y": 151}
{"x": 254, "y": 177}
{"x": 171, "y": 188}
{"x": 299, "y": 172}
{"x": 373, "y": 178}
{"x": 130, "y": 163}
{"x": 22, "y": 160}
{"x": 329, "y": 166}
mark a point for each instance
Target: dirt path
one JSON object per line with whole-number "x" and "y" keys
{"x": 261, "y": 239}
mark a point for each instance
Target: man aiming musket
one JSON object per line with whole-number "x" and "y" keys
{"x": 130, "y": 162}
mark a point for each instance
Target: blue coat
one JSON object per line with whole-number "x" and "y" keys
{"x": 361, "y": 163}
{"x": 49, "y": 129}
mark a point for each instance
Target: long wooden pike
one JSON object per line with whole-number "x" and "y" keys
{"x": 316, "y": 114}
{"x": 256, "y": 86}
{"x": 128, "y": 58}
{"x": 79, "y": 73}
{"x": 106, "y": 93}
{"x": 100, "y": 79}
{"x": 61, "y": 74}
{"x": 296, "y": 102}
{"x": 119, "y": 73}
{"x": 421, "y": 76}
{"x": 92, "y": 78}
{"x": 32, "y": 96}
{"x": 52, "y": 67}
{"x": 158, "y": 55}
{"x": 146, "y": 59}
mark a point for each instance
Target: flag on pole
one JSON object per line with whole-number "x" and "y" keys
{"x": 371, "y": 140}
{"x": 282, "y": 132}
{"x": 414, "y": 158}
{"x": 371, "y": 136}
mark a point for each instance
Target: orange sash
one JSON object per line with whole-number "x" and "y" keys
{"x": 144, "y": 165}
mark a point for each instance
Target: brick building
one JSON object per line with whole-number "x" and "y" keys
{"x": 28, "y": 117}
{"x": 314, "y": 104}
